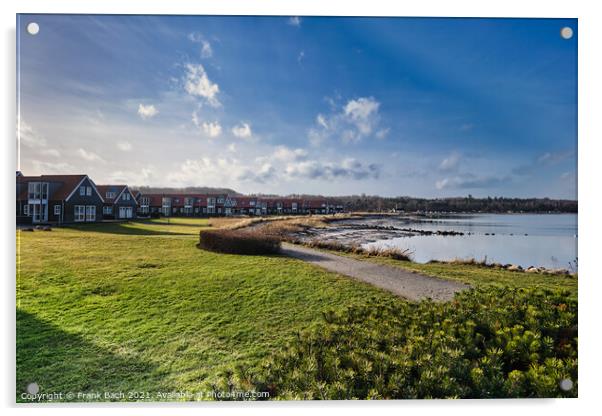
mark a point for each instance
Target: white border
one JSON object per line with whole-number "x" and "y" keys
{"x": 590, "y": 134}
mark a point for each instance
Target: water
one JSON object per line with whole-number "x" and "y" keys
{"x": 548, "y": 240}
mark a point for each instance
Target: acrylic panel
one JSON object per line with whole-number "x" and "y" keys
{"x": 295, "y": 208}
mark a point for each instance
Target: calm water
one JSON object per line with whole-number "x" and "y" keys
{"x": 548, "y": 240}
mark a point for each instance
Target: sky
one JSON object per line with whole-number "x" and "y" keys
{"x": 424, "y": 107}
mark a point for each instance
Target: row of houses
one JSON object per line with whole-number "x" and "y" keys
{"x": 63, "y": 199}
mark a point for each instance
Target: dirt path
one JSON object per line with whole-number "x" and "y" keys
{"x": 403, "y": 283}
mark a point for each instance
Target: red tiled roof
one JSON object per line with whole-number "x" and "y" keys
{"x": 69, "y": 182}
{"x": 103, "y": 189}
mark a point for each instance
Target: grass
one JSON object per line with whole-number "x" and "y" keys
{"x": 478, "y": 275}
{"x": 136, "y": 306}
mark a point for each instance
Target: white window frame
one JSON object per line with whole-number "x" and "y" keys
{"x": 26, "y": 210}
{"x": 82, "y": 191}
{"x": 57, "y": 210}
{"x": 88, "y": 191}
{"x": 90, "y": 213}
{"x": 79, "y": 213}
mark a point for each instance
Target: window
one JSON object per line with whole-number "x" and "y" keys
{"x": 57, "y": 210}
{"x": 90, "y": 213}
{"x": 37, "y": 190}
{"x": 107, "y": 210}
{"x": 125, "y": 196}
{"x": 88, "y": 190}
{"x": 79, "y": 212}
{"x": 26, "y": 210}
{"x": 82, "y": 191}
{"x": 110, "y": 195}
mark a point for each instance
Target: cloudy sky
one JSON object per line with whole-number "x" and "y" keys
{"x": 389, "y": 106}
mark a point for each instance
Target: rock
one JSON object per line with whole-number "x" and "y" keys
{"x": 532, "y": 270}
{"x": 514, "y": 268}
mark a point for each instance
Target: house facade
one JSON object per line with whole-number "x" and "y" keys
{"x": 120, "y": 202}
{"x": 207, "y": 205}
{"x": 57, "y": 199}
{"x": 66, "y": 199}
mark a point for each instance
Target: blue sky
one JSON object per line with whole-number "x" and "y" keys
{"x": 390, "y": 106}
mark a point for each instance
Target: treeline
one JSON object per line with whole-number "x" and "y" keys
{"x": 461, "y": 204}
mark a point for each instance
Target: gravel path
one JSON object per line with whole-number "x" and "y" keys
{"x": 410, "y": 285}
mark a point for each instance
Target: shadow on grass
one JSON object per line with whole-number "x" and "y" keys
{"x": 62, "y": 362}
{"x": 181, "y": 222}
{"x": 122, "y": 228}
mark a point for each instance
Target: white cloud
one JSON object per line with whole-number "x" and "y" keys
{"x": 195, "y": 37}
{"x": 451, "y": 162}
{"x": 382, "y": 133}
{"x": 28, "y": 136}
{"x": 232, "y": 147}
{"x": 470, "y": 181}
{"x": 287, "y": 154}
{"x": 212, "y": 129}
{"x": 294, "y": 21}
{"x": 44, "y": 168}
{"x": 147, "y": 111}
{"x": 206, "y": 49}
{"x": 51, "y": 152}
{"x": 206, "y": 170}
{"x": 356, "y": 120}
{"x": 347, "y": 169}
{"x": 300, "y": 56}
{"x": 363, "y": 113}
{"x": 144, "y": 176}
{"x": 195, "y": 119}
{"x": 242, "y": 131}
{"x": 89, "y": 156}
{"x": 124, "y": 146}
{"x": 321, "y": 120}
{"x": 198, "y": 84}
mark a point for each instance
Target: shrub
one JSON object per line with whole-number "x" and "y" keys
{"x": 392, "y": 252}
{"x": 494, "y": 342}
{"x": 238, "y": 242}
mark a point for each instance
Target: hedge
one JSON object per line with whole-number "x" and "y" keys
{"x": 238, "y": 242}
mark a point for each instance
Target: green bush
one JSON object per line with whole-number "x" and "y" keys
{"x": 487, "y": 343}
{"x": 238, "y": 242}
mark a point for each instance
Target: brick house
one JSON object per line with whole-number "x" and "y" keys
{"x": 57, "y": 199}
{"x": 119, "y": 202}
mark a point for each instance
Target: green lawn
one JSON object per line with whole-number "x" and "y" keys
{"x": 120, "y": 307}
{"x": 137, "y": 307}
{"x": 479, "y": 276}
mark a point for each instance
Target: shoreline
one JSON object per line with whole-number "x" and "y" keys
{"x": 348, "y": 234}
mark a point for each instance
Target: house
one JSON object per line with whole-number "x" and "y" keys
{"x": 144, "y": 204}
{"x": 57, "y": 199}
{"x": 119, "y": 202}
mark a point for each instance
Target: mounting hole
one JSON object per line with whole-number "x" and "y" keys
{"x": 566, "y": 32}
{"x": 566, "y": 384}
{"x": 33, "y": 28}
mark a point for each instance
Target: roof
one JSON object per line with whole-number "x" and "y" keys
{"x": 103, "y": 189}
{"x": 69, "y": 182}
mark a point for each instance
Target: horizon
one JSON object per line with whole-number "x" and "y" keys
{"x": 430, "y": 107}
